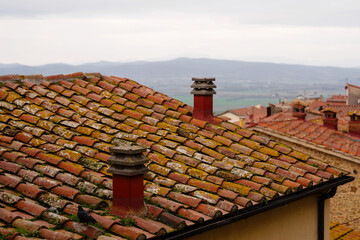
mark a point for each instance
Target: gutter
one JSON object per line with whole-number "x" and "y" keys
{"x": 321, "y": 206}
{"x": 323, "y": 189}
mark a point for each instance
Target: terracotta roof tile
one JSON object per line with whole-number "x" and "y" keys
{"x": 242, "y": 149}
{"x": 224, "y": 175}
{"x": 196, "y": 173}
{"x": 53, "y": 200}
{"x": 156, "y": 189}
{"x": 227, "y": 206}
{"x": 45, "y": 182}
{"x": 29, "y": 190}
{"x": 31, "y": 208}
{"x": 305, "y": 182}
{"x": 209, "y": 210}
{"x": 213, "y": 153}
{"x": 9, "y": 166}
{"x": 10, "y": 180}
{"x": 207, "y": 197}
{"x": 193, "y": 215}
{"x": 53, "y": 235}
{"x": 293, "y": 185}
{"x": 163, "y": 181}
{"x": 66, "y": 191}
{"x": 207, "y": 142}
{"x": 28, "y": 174}
{"x": 250, "y": 184}
{"x": 7, "y": 216}
{"x": 262, "y": 180}
{"x": 28, "y": 162}
{"x": 233, "y": 136}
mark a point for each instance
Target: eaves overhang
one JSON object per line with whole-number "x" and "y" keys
{"x": 318, "y": 190}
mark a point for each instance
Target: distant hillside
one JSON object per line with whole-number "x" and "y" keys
{"x": 234, "y": 79}
{"x": 185, "y": 68}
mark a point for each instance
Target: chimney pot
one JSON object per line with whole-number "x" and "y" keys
{"x": 354, "y": 124}
{"x": 127, "y": 167}
{"x": 330, "y": 120}
{"x": 299, "y": 110}
{"x": 203, "y": 90}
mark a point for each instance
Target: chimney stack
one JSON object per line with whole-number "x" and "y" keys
{"x": 203, "y": 98}
{"x": 330, "y": 120}
{"x": 299, "y": 110}
{"x": 354, "y": 123}
{"x": 127, "y": 168}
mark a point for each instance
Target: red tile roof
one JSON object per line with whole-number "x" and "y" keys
{"x": 317, "y": 134}
{"x": 342, "y": 110}
{"x": 316, "y": 105}
{"x": 337, "y": 100}
{"x": 342, "y": 113}
{"x": 279, "y": 117}
{"x": 54, "y": 144}
{"x": 257, "y": 112}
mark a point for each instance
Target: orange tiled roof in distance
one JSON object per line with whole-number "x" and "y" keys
{"x": 279, "y": 117}
{"x": 318, "y": 134}
{"x": 342, "y": 114}
{"x": 339, "y": 231}
{"x": 337, "y": 100}
{"x": 258, "y": 112}
{"x": 298, "y": 102}
{"x": 55, "y": 135}
{"x": 315, "y": 105}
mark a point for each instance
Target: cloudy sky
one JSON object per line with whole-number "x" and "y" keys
{"x": 313, "y": 32}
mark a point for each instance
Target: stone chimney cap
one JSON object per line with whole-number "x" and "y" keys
{"x": 203, "y": 86}
{"x": 203, "y": 79}
{"x": 203, "y": 92}
{"x": 127, "y": 156}
{"x": 127, "y": 149}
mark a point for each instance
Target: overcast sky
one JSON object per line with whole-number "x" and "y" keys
{"x": 313, "y": 32}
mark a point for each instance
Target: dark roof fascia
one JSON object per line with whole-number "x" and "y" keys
{"x": 319, "y": 189}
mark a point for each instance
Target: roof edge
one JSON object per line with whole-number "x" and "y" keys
{"x": 38, "y": 78}
{"x": 352, "y": 85}
{"x": 321, "y": 189}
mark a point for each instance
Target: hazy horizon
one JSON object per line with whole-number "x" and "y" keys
{"x": 286, "y": 62}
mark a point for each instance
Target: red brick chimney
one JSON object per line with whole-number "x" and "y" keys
{"x": 354, "y": 123}
{"x": 330, "y": 120}
{"x": 299, "y": 110}
{"x": 127, "y": 168}
{"x": 203, "y": 98}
